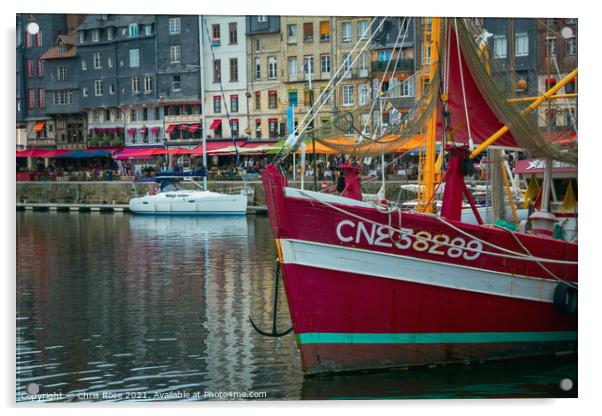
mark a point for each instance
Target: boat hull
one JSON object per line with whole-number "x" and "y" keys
{"x": 362, "y": 299}
{"x": 189, "y": 203}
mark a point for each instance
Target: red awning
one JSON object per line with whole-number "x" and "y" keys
{"x": 272, "y": 120}
{"x": 193, "y": 128}
{"x": 179, "y": 151}
{"x": 170, "y": 128}
{"x": 155, "y": 130}
{"x": 140, "y": 153}
{"x": 233, "y": 120}
{"x": 118, "y": 130}
{"x": 143, "y": 130}
{"x": 182, "y": 127}
{"x": 35, "y": 152}
{"x": 216, "y": 123}
{"x": 215, "y": 146}
{"x": 131, "y": 131}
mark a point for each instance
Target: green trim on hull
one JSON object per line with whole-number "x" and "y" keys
{"x": 434, "y": 338}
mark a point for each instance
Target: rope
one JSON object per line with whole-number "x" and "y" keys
{"x": 516, "y": 256}
{"x": 539, "y": 263}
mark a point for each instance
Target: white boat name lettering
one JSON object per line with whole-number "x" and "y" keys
{"x": 421, "y": 241}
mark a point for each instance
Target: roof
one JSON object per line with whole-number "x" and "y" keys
{"x": 95, "y": 21}
{"x": 70, "y": 51}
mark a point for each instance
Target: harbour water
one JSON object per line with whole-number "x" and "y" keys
{"x": 120, "y": 307}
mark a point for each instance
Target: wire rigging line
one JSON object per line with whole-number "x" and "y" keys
{"x": 323, "y": 101}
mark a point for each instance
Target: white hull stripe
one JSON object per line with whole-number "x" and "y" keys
{"x": 408, "y": 269}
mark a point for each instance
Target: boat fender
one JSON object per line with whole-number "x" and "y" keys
{"x": 565, "y": 298}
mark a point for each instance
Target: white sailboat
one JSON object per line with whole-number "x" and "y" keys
{"x": 168, "y": 198}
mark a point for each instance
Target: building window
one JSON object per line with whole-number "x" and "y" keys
{"x": 176, "y": 83}
{"x": 363, "y": 64}
{"x": 98, "y": 87}
{"x": 39, "y": 39}
{"x": 40, "y": 68}
{"x": 233, "y": 33}
{"x": 96, "y": 60}
{"x": 363, "y": 29}
{"x": 95, "y": 35}
{"x": 262, "y": 19}
{"x": 110, "y": 62}
{"x": 325, "y": 31}
{"x": 41, "y": 98}
{"x": 407, "y": 88}
{"x": 258, "y": 100}
{"x": 233, "y": 69}
{"x": 217, "y": 70}
{"x": 107, "y": 115}
{"x": 292, "y": 68}
{"x": 234, "y": 127}
{"x": 292, "y": 99}
{"x": 175, "y": 54}
{"x": 325, "y": 63}
{"x": 29, "y": 68}
{"x": 133, "y": 114}
{"x": 273, "y": 128}
{"x": 61, "y": 73}
{"x": 364, "y": 93}
{"x": 347, "y": 32}
{"x": 272, "y": 67}
{"x": 272, "y": 99}
{"x": 308, "y": 32}
{"x": 570, "y": 46}
{"x": 27, "y": 39}
{"x": 385, "y": 55}
{"x": 63, "y": 97}
{"x": 234, "y": 103}
{"x": 551, "y": 46}
{"x": 216, "y": 34}
{"x": 84, "y": 66}
{"x": 109, "y": 33}
{"x": 148, "y": 29}
{"x": 257, "y": 45}
{"x": 111, "y": 89}
{"x": 174, "y": 25}
{"x": 148, "y": 84}
{"x": 500, "y": 46}
{"x": 82, "y": 36}
{"x": 258, "y": 128}
{"x": 31, "y": 98}
{"x": 134, "y": 58}
{"x": 133, "y": 30}
{"x": 291, "y": 31}
{"x": 521, "y": 44}
{"x": 135, "y": 85}
{"x": 347, "y": 94}
{"x": 308, "y": 64}
{"x": 217, "y": 104}
{"x": 84, "y": 91}
{"x": 347, "y": 65}
{"x": 257, "y": 69}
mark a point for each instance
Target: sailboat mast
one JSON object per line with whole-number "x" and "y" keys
{"x": 431, "y": 37}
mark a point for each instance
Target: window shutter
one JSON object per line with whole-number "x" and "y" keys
{"x": 325, "y": 28}
{"x": 308, "y": 29}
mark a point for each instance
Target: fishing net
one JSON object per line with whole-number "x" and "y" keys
{"x": 496, "y": 86}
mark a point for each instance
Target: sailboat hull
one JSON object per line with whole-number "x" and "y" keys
{"x": 361, "y": 299}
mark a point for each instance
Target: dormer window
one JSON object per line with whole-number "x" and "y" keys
{"x": 95, "y": 35}
{"x": 62, "y": 46}
{"x": 133, "y": 30}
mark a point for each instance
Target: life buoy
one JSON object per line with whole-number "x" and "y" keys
{"x": 565, "y": 298}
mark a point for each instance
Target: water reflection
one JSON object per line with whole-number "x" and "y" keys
{"x": 110, "y": 303}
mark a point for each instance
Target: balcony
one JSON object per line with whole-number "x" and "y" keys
{"x": 325, "y": 38}
{"x": 308, "y": 38}
{"x": 191, "y": 118}
{"x": 402, "y": 65}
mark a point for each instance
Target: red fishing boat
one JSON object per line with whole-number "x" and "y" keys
{"x": 371, "y": 287}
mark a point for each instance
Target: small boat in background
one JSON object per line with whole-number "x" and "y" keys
{"x": 167, "y": 197}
